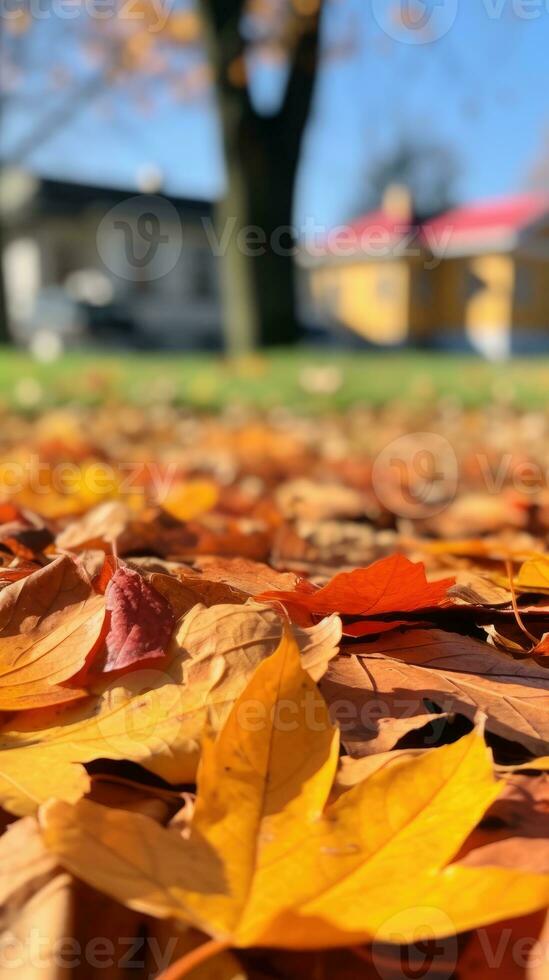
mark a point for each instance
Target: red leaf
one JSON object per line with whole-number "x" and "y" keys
{"x": 391, "y": 585}
{"x": 374, "y": 627}
{"x": 101, "y": 581}
{"x": 142, "y": 621}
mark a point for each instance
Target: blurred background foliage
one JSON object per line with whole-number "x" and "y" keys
{"x": 265, "y": 115}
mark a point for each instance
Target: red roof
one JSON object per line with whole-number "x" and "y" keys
{"x": 373, "y": 234}
{"x": 497, "y": 219}
{"x": 507, "y": 214}
{"x": 377, "y": 221}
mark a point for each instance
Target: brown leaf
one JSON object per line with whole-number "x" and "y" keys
{"x": 99, "y": 528}
{"x": 42, "y": 598}
{"x": 44, "y": 917}
{"x": 510, "y": 950}
{"x": 222, "y": 635}
{"x": 515, "y": 831}
{"x": 51, "y": 624}
{"x": 23, "y": 858}
{"x": 251, "y": 577}
{"x": 398, "y": 673}
{"x": 478, "y": 590}
{"x": 187, "y": 590}
{"x": 391, "y": 730}
{"x": 317, "y": 501}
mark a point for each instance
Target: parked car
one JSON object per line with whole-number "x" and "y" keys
{"x": 59, "y": 322}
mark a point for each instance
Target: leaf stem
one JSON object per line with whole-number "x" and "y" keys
{"x": 183, "y": 966}
{"x": 520, "y": 624}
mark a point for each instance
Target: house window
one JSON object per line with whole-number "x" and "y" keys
{"x": 473, "y": 284}
{"x": 425, "y": 286}
{"x": 386, "y": 286}
{"x": 202, "y": 279}
{"x": 326, "y": 295}
{"x": 523, "y": 286}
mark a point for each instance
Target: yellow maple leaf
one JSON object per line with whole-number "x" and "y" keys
{"x": 268, "y": 862}
{"x": 154, "y": 717}
{"x": 149, "y": 720}
{"x": 533, "y": 575}
{"x": 186, "y": 500}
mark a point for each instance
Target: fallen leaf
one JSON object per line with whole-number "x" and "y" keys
{"x": 317, "y": 501}
{"x": 352, "y": 771}
{"x": 247, "y": 634}
{"x": 478, "y": 590}
{"x": 141, "y": 621}
{"x": 111, "y": 522}
{"x": 479, "y": 513}
{"x": 188, "y": 590}
{"x": 34, "y": 932}
{"x": 538, "y": 960}
{"x": 25, "y": 540}
{"x": 50, "y": 924}
{"x": 188, "y": 499}
{"x": 392, "y": 585}
{"x": 17, "y": 570}
{"x": 42, "y": 598}
{"x": 391, "y": 730}
{"x": 51, "y": 624}
{"x": 511, "y": 950}
{"x": 110, "y": 940}
{"x": 154, "y": 717}
{"x": 540, "y": 764}
{"x": 515, "y": 833}
{"x": 251, "y": 577}
{"x": 399, "y": 673}
{"x": 266, "y": 862}
{"x": 23, "y": 858}
{"x": 533, "y": 576}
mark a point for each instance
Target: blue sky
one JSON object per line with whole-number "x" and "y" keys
{"x": 482, "y": 87}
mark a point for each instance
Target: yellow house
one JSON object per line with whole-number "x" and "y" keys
{"x": 474, "y": 277}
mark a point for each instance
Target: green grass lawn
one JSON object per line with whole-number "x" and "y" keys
{"x": 303, "y": 380}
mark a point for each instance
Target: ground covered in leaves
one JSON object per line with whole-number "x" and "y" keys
{"x": 274, "y": 694}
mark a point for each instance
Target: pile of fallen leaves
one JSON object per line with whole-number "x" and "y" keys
{"x": 256, "y": 723}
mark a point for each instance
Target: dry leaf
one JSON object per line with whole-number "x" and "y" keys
{"x": 154, "y": 717}
{"x": 23, "y": 858}
{"x": 52, "y": 624}
{"x": 44, "y": 919}
{"x": 188, "y": 590}
{"x": 401, "y": 672}
{"x": 391, "y": 586}
{"x": 247, "y": 634}
{"x": 512, "y": 950}
{"x": 267, "y": 863}
{"x": 100, "y": 527}
{"x": 244, "y": 575}
{"x": 141, "y": 621}
{"x": 187, "y": 500}
{"x": 516, "y": 830}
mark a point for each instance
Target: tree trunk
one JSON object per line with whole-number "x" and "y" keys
{"x": 262, "y": 156}
{"x": 5, "y": 335}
